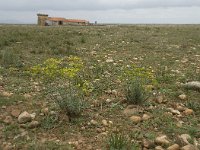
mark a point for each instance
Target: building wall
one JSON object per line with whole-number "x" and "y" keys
{"x": 42, "y": 19}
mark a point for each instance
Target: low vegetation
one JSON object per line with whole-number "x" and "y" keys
{"x": 99, "y": 87}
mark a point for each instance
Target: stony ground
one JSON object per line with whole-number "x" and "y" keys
{"x": 168, "y": 119}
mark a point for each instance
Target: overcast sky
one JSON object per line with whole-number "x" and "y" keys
{"x": 103, "y": 11}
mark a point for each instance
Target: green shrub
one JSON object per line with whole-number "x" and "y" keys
{"x": 70, "y": 100}
{"x": 118, "y": 141}
{"x": 135, "y": 92}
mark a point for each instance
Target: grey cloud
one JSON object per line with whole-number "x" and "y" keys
{"x": 61, "y": 5}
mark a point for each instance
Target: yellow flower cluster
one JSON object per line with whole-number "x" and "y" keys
{"x": 67, "y": 67}
{"x": 145, "y": 75}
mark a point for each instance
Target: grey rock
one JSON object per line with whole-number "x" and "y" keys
{"x": 194, "y": 85}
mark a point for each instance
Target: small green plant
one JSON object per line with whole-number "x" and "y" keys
{"x": 49, "y": 122}
{"x": 193, "y": 105}
{"x": 10, "y": 131}
{"x": 10, "y": 59}
{"x": 118, "y": 141}
{"x": 135, "y": 93}
{"x": 70, "y": 101}
{"x": 83, "y": 40}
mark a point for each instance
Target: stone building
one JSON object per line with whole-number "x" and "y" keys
{"x": 44, "y": 20}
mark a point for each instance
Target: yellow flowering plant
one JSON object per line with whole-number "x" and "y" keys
{"x": 68, "y": 69}
{"x": 53, "y": 68}
{"x": 133, "y": 72}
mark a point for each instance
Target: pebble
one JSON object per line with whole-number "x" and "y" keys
{"x": 174, "y": 147}
{"x": 33, "y": 115}
{"x": 27, "y": 96}
{"x": 131, "y": 110}
{"x": 24, "y": 117}
{"x": 159, "y": 148}
{"x": 148, "y": 144}
{"x": 145, "y": 117}
{"x": 189, "y": 147}
{"x": 6, "y": 94}
{"x": 15, "y": 112}
{"x": 8, "y": 120}
{"x": 136, "y": 119}
{"x": 45, "y": 111}
{"x": 110, "y": 122}
{"x": 180, "y": 108}
{"x": 174, "y": 112}
{"x": 108, "y": 100}
{"x": 188, "y": 112}
{"x": 162, "y": 140}
{"x": 93, "y": 122}
{"x": 160, "y": 99}
{"x": 184, "y": 138}
{"x": 33, "y": 124}
{"x": 109, "y": 60}
{"x": 3, "y": 107}
{"x": 53, "y": 113}
{"x": 104, "y": 122}
{"x": 182, "y": 97}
